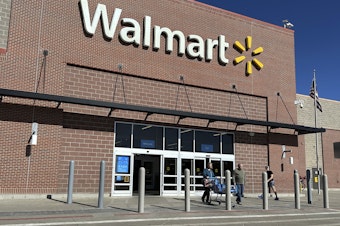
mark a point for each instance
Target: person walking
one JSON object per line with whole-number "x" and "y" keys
{"x": 271, "y": 182}
{"x": 208, "y": 175}
{"x": 239, "y": 178}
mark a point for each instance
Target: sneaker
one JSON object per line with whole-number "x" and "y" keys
{"x": 260, "y": 196}
{"x": 239, "y": 203}
{"x": 202, "y": 199}
{"x": 276, "y": 198}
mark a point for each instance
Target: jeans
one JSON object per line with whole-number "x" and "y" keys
{"x": 240, "y": 189}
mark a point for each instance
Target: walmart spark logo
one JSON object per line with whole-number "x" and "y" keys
{"x": 254, "y": 62}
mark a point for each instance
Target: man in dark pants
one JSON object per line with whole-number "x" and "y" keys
{"x": 239, "y": 178}
{"x": 208, "y": 174}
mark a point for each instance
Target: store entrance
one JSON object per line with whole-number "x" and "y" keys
{"x": 151, "y": 163}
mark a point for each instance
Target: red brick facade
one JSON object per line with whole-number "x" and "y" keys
{"x": 107, "y": 70}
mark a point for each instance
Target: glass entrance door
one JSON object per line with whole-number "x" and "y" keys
{"x": 170, "y": 175}
{"x": 151, "y": 164}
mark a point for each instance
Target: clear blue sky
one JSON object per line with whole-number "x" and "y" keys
{"x": 317, "y": 37}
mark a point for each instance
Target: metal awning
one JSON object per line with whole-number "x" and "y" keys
{"x": 152, "y": 110}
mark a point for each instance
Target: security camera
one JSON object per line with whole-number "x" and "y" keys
{"x": 299, "y": 102}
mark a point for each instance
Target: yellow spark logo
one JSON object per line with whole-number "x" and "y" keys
{"x": 255, "y": 62}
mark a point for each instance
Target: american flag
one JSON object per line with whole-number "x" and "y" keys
{"x": 314, "y": 94}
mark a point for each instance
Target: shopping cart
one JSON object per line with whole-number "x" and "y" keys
{"x": 220, "y": 189}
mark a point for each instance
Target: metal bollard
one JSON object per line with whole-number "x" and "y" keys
{"x": 141, "y": 190}
{"x": 325, "y": 191}
{"x": 187, "y": 190}
{"x": 265, "y": 190}
{"x": 297, "y": 189}
{"x": 101, "y": 185}
{"x": 70, "y": 182}
{"x": 309, "y": 187}
{"x": 227, "y": 190}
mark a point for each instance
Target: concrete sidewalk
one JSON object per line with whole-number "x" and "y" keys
{"x": 156, "y": 207}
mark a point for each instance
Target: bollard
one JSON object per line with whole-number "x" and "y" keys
{"x": 141, "y": 190}
{"x": 265, "y": 190}
{"x": 70, "y": 182}
{"x": 309, "y": 187}
{"x": 297, "y": 189}
{"x": 101, "y": 184}
{"x": 325, "y": 191}
{"x": 227, "y": 190}
{"x": 187, "y": 190}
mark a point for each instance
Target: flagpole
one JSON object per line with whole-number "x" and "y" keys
{"x": 316, "y": 134}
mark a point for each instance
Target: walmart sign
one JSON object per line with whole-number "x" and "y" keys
{"x": 192, "y": 45}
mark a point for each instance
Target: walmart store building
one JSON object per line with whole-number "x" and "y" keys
{"x": 166, "y": 85}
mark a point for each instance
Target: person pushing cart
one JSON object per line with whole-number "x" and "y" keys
{"x": 208, "y": 175}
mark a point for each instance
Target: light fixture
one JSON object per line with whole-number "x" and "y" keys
{"x": 284, "y": 151}
{"x": 120, "y": 67}
{"x": 217, "y": 134}
{"x": 181, "y": 77}
{"x": 146, "y": 127}
{"x": 185, "y": 131}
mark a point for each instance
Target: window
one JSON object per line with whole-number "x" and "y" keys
{"x": 174, "y": 139}
{"x": 227, "y": 144}
{"x": 336, "y": 150}
{"x": 148, "y": 137}
{"x": 216, "y": 167}
{"x": 171, "y": 139}
{"x": 123, "y": 135}
{"x": 187, "y": 140}
{"x": 208, "y": 142}
{"x": 170, "y": 174}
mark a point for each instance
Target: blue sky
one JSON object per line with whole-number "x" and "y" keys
{"x": 317, "y": 37}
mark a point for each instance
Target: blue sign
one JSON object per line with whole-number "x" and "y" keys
{"x": 207, "y": 148}
{"x": 123, "y": 164}
{"x": 147, "y": 143}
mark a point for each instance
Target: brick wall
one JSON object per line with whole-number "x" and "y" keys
{"x": 5, "y": 11}
{"x": 88, "y": 67}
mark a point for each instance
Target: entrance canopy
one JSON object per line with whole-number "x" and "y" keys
{"x": 152, "y": 110}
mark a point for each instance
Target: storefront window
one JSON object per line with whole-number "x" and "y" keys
{"x": 216, "y": 167}
{"x": 208, "y": 142}
{"x": 148, "y": 137}
{"x": 187, "y": 164}
{"x": 123, "y": 135}
{"x": 227, "y": 144}
{"x": 170, "y": 166}
{"x": 199, "y": 167}
{"x": 171, "y": 139}
{"x": 228, "y": 165}
{"x": 170, "y": 173}
{"x": 187, "y": 140}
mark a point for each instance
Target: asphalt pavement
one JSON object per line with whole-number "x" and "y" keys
{"x": 170, "y": 211}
